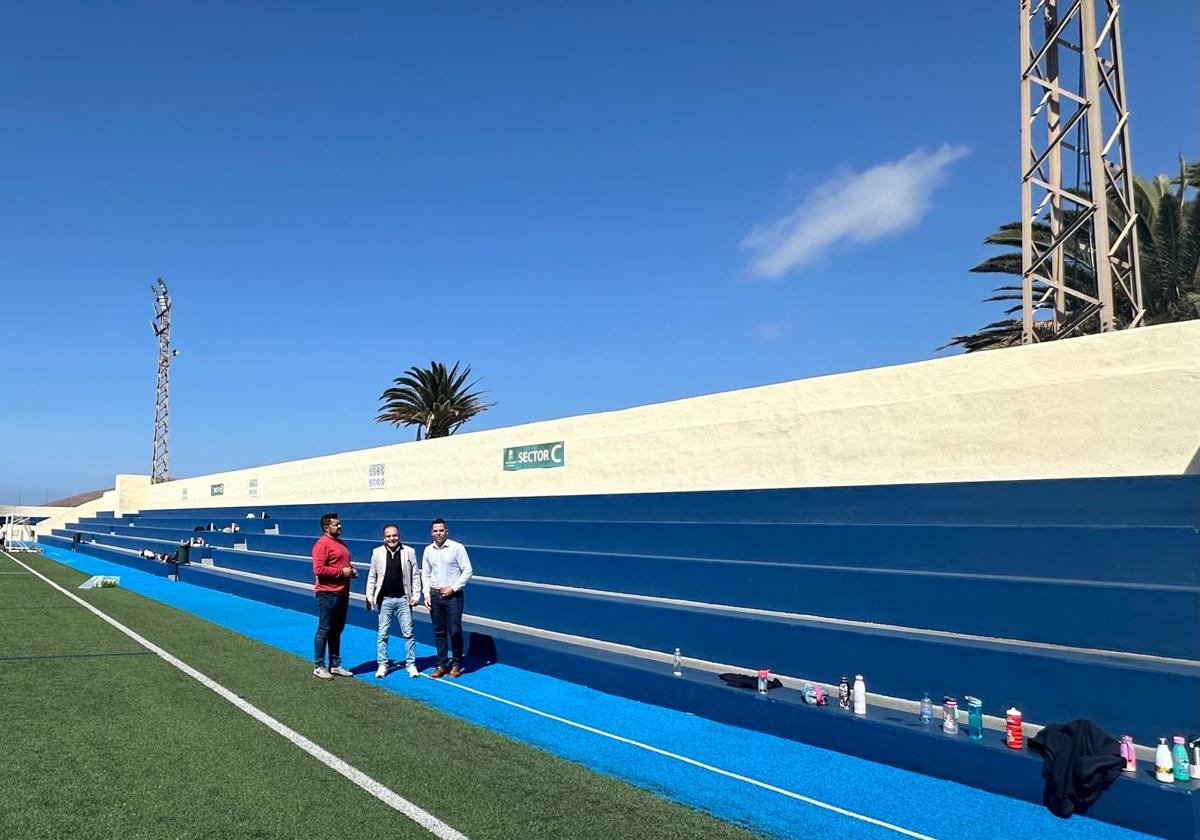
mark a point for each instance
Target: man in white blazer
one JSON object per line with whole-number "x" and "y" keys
{"x": 394, "y": 587}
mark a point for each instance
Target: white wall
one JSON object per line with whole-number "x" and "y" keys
{"x": 1125, "y": 403}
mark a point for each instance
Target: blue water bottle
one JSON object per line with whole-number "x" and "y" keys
{"x": 974, "y": 718}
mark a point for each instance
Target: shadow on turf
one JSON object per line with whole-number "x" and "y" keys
{"x": 424, "y": 664}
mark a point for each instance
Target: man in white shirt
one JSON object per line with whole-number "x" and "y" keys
{"x": 393, "y": 588}
{"x": 445, "y": 570}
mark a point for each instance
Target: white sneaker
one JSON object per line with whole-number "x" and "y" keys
{"x": 322, "y": 673}
{"x": 412, "y": 671}
{"x": 339, "y": 671}
{"x": 381, "y": 672}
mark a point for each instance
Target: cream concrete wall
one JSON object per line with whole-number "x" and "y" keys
{"x": 132, "y": 492}
{"x": 127, "y": 496}
{"x": 30, "y": 510}
{"x": 1125, "y": 403}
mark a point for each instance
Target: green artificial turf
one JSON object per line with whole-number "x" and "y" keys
{"x": 103, "y": 741}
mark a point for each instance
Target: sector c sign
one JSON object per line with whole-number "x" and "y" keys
{"x": 537, "y": 456}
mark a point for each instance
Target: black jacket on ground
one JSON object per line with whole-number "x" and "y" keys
{"x": 1080, "y": 761}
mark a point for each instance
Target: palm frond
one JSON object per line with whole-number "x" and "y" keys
{"x": 436, "y": 399}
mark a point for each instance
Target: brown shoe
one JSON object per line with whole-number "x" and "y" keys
{"x": 438, "y": 673}
{"x": 456, "y": 672}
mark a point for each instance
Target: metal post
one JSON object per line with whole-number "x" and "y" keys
{"x": 1027, "y": 335}
{"x": 162, "y": 329}
{"x": 1086, "y": 265}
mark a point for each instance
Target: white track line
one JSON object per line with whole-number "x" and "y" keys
{"x": 807, "y": 799}
{"x": 418, "y": 815}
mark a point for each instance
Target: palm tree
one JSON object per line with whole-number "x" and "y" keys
{"x": 435, "y": 400}
{"x": 1171, "y": 265}
{"x": 1169, "y": 239}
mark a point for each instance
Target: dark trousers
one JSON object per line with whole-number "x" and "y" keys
{"x": 331, "y": 620}
{"x": 446, "y": 614}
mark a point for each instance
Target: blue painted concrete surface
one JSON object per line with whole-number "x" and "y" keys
{"x": 914, "y": 802}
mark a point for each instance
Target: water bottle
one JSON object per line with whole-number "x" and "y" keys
{"x": 974, "y": 718}
{"x": 1164, "y": 768}
{"x": 950, "y": 716}
{"x": 1179, "y": 758}
{"x": 764, "y": 677}
{"x": 1012, "y": 729}
{"x": 1129, "y": 753}
{"x": 1194, "y": 767}
{"x": 677, "y": 664}
{"x": 926, "y": 710}
{"x": 860, "y": 695}
{"x": 844, "y": 695}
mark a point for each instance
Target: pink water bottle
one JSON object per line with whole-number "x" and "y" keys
{"x": 950, "y": 716}
{"x": 764, "y": 677}
{"x": 1129, "y": 753}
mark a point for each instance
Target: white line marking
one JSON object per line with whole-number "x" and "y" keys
{"x": 807, "y": 799}
{"x": 418, "y": 815}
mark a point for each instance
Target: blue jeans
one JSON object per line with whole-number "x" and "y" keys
{"x": 331, "y": 620}
{"x": 446, "y": 614}
{"x": 390, "y": 608}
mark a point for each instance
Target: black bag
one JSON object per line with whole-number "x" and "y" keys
{"x": 1079, "y": 762}
{"x": 747, "y": 681}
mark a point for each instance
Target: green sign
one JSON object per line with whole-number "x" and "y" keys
{"x": 537, "y": 456}
{"x": 216, "y": 489}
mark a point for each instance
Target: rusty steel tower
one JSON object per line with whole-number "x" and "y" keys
{"x": 1079, "y": 239}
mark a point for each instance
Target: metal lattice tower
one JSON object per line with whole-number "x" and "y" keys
{"x": 1079, "y": 241}
{"x": 162, "y": 329}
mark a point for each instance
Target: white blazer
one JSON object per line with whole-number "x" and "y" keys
{"x": 408, "y": 568}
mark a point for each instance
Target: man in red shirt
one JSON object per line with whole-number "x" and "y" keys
{"x": 331, "y": 566}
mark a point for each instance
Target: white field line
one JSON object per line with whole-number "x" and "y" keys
{"x": 379, "y": 791}
{"x": 728, "y": 774}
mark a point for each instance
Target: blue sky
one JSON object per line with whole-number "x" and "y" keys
{"x": 591, "y": 204}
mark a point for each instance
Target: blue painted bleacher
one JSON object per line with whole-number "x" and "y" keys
{"x": 1083, "y": 569}
{"x": 1015, "y": 607}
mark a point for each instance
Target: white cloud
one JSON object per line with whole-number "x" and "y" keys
{"x": 768, "y": 332}
{"x": 851, "y": 207}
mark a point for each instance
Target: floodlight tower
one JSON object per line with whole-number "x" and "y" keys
{"x": 1079, "y": 242}
{"x": 162, "y": 329}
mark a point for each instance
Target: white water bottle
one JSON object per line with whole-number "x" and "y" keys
{"x": 860, "y": 695}
{"x": 1164, "y": 766}
{"x": 677, "y": 664}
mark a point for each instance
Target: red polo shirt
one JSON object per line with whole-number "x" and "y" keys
{"x": 330, "y": 556}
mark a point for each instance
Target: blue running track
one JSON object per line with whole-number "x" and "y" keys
{"x": 907, "y": 803}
